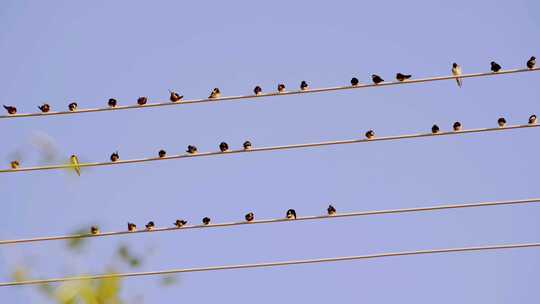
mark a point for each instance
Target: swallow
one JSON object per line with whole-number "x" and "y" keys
{"x": 142, "y": 100}
{"x": 15, "y": 164}
{"x": 112, "y": 103}
{"x": 223, "y": 147}
{"x": 72, "y": 106}
{"x": 10, "y": 109}
{"x": 457, "y": 126}
{"x": 94, "y": 230}
{"x": 162, "y": 153}
{"x": 495, "y": 67}
{"x": 206, "y": 220}
{"x": 303, "y": 85}
{"x": 75, "y": 164}
{"x": 531, "y": 62}
{"x": 247, "y": 145}
{"x": 180, "y": 223}
{"x": 44, "y": 108}
{"x": 354, "y": 81}
{"x": 132, "y": 227}
{"x": 191, "y": 149}
{"x": 150, "y": 225}
{"x": 291, "y": 214}
{"x": 456, "y": 71}
{"x": 281, "y": 88}
{"x": 175, "y": 97}
{"x": 250, "y": 217}
{"x": 215, "y": 93}
{"x": 501, "y": 122}
{"x": 532, "y": 119}
{"x": 435, "y": 129}
{"x": 257, "y": 90}
{"x": 115, "y": 156}
{"x": 370, "y": 134}
{"x": 376, "y": 79}
{"x": 402, "y": 77}
{"x": 331, "y": 210}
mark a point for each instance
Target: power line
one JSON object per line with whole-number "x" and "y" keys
{"x": 279, "y": 220}
{"x": 271, "y": 148}
{"x": 271, "y": 264}
{"x": 240, "y": 97}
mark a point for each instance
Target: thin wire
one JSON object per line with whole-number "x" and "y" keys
{"x": 229, "y": 98}
{"x": 272, "y": 148}
{"x": 279, "y": 220}
{"x": 272, "y": 264}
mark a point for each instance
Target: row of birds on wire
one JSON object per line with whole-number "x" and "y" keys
{"x": 179, "y": 223}
{"x": 216, "y": 92}
{"x": 247, "y": 145}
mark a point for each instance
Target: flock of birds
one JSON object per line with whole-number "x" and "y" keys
{"x": 179, "y": 223}
{"x": 216, "y": 93}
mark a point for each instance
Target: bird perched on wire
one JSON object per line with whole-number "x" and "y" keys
{"x": 531, "y": 62}
{"x": 215, "y": 93}
{"x": 402, "y": 77}
{"x": 131, "y": 227}
{"x": 247, "y": 145}
{"x": 94, "y": 230}
{"x": 532, "y": 119}
{"x": 370, "y": 134}
{"x": 435, "y": 129}
{"x": 112, "y": 103}
{"x": 191, "y": 149}
{"x": 162, "y": 153}
{"x": 206, "y": 220}
{"x": 15, "y": 164}
{"x": 142, "y": 100}
{"x": 72, "y": 106}
{"x": 44, "y": 108}
{"x": 257, "y": 90}
{"x": 376, "y": 79}
{"x": 10, "y": 109}
{"x": 281, "y": 88}
{"x": 456, "y": 71}
{"x": 249, "y": 217}
{"x": 150, "y": 225}
{"x": 291, "y": 214}
{"x": 223, "y": 147}
{"x": 495, "y": 67}
{"x": 180, "y": 223}
{"x": 457, "y": 126}
{"x": 331, "y": 210}
{"x": 75, "y": 164}
{"x": 303, "y": 85}
{"x": 115, "y": 156}
{"x": 175, "y": 97}
{"x": 501, "y": 122}
{"x": 354, "y": 81}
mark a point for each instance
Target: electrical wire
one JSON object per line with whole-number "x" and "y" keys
{"x": 271, "y": 264}
{"x": 240, "y": 97}
{"x": 279, "y": 220}
{"x": 271, "y": 148}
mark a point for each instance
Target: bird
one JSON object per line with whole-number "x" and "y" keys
{"x": 331, "y": 210}
{"x": 44, "y": 108}
{"x": 75, "y": 164}
{"x": 94, "y": 230}
{"x": 191, "y": 149}
{"x": 402, "y": 77}
{"x": 435, "y": 129}
{"x": 112, "y": 102}
{"x": 10, "y": 109}
{"x": 142, "y": 100}
{"x": 456, "y": 71}
{"x": 250, "y": 217}
{"x": 376, "y": 79}
{"x": 247, "y": 145}
{"x": 215, "y": 93}
{"x": 115, "y": 156}
{"x": 457, "y": 126}
{"x": 15, "y": 164}
{"x": 370, "y": 134}
{"x": 501, "y": 122}
{"x": 72, "y": 106}
{"x": 281, "y": 88}
{"x": 180, "y": 223}
{"x": 223, "y": 147}
{"x": 257, "y": 90}
{"x": 175, "y": 96}
{"x": 131, "y": 227}
{"x": 291, "y": 214}
{"x": 532, "y": 119}
{"x": 162, "y": 153}
{"x": 150, "y": 225}
{"x": 531, "y": 62}
{"x": 495, "y": 67}
{"x": 303, "y": 85}
{"x": 206, "y": 220}
{"x": 354, "y": 81}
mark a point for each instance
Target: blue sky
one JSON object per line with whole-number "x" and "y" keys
{"x": 59, "y": 51}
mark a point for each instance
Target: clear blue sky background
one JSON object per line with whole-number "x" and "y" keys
{"x": 58, "y": 51}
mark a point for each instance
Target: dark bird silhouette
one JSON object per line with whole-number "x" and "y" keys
{"x": 15, "y": 164}
{"x": 531, "y": 62}
{"x": 131, "y": 227}
{"x": 376, "y": 79}
{"x": 223, "y": 147}
{"x": 150, "y": 225}
{"x": 257, "y": 90}
{"x": 142, "y": 100}
{"x": 281, "y": 88}
{"x": 206, "y": 220}
{"x": 180, "y": 223}
{"x": 247, "y": 145}
{"x": 112, "y": 103}
{"x": 495, "y": 67}
{"x": 162, "y": 153}
{"x": 291, "y": 214}
{"x": 250, "y": 217}
{"x": 10, "y": 109}
{"x": 354, "y": 81}
{"x": 215, "y": 93}
{"x": 94, "y": 230}
{"x": 303, "y": 85}
{"x": 331, "y": 210}
{"x": 44, "y": 108}
{"x": 402, "y": 77}
{"x": 457, "y": 126}
{"x": 72, "y": 106}
{"x": 435, "y": 129}
{"x": 456, "y": 71}
{"x": 191, "y": 149}
{"x": 501, "y": 122}
{"x": 532, "y": 119}
{"x": 175, "y": 97}
{"x": 115, "y": 156}
{"x": 370, "y": 134}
